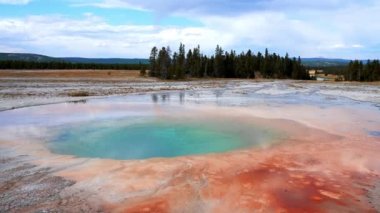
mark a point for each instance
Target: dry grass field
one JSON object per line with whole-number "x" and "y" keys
{"x": 69, "y": 74}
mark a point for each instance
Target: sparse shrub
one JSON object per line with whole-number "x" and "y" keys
{"x": 143, "y": 72}
{"x": 78, "y": 94}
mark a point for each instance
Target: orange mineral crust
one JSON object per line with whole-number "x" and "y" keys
{"x": 286, "y": 180}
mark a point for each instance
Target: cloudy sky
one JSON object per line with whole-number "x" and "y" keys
{"x": 129, "y": 28}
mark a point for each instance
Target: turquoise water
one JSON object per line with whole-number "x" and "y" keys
{"x": 151, "y": 138}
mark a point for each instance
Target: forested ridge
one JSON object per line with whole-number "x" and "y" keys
{"x": 16, "y": 64}
{"x": 223, "y": 64}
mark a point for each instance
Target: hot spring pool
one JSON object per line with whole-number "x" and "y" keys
{"x": 125, "y": 139}
{"x": 138, "y": 127}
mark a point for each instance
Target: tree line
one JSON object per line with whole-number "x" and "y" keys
{"x": 223, "y": 64}
{"x": 357, "y": 71}
{"x": 15, "y": 64}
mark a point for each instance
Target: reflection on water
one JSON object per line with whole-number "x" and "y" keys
{"x": 154, "y": 98}
{"x": 166, "y": 97}
{"x": 246, "y": 97}
{"x": 181, "y": 97}
{"x": 374, "y": 133}
{"x": 84, "y": 101}
{"x": 219, "y": 93}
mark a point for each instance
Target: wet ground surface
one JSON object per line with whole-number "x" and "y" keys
{"x": 21, "y": 92}
{"x": 24, "y": 187}
{"x": 18, "y": 92}
{"x": 327, "y": 162}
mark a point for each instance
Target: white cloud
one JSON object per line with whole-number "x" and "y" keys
{"x": 344, "y": 46}
{"x": 109, "y": 4}
{"x": 357, "y": 46}
{"x": 347, "y": 32}
{"x": 9, "y": 49}
{"x": 226, "y": 7}
{"x": 332, "y": 28}
{"x": 92, "y": 37}
{"x": 16, "y": 2}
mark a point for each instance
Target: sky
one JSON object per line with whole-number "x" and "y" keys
{"x": 347, "y": 29}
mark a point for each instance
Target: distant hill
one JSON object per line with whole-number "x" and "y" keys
{"x": 107, "y": 60}
{"x": 43, "y": 58}
{"x": 26, "y": 57}
{"x": 324, "y": 62}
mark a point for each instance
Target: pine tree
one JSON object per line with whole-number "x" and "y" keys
{"x": 181, "y": 62}
{"x": 153, "y": 62}
{"x": 218, "y": 62}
